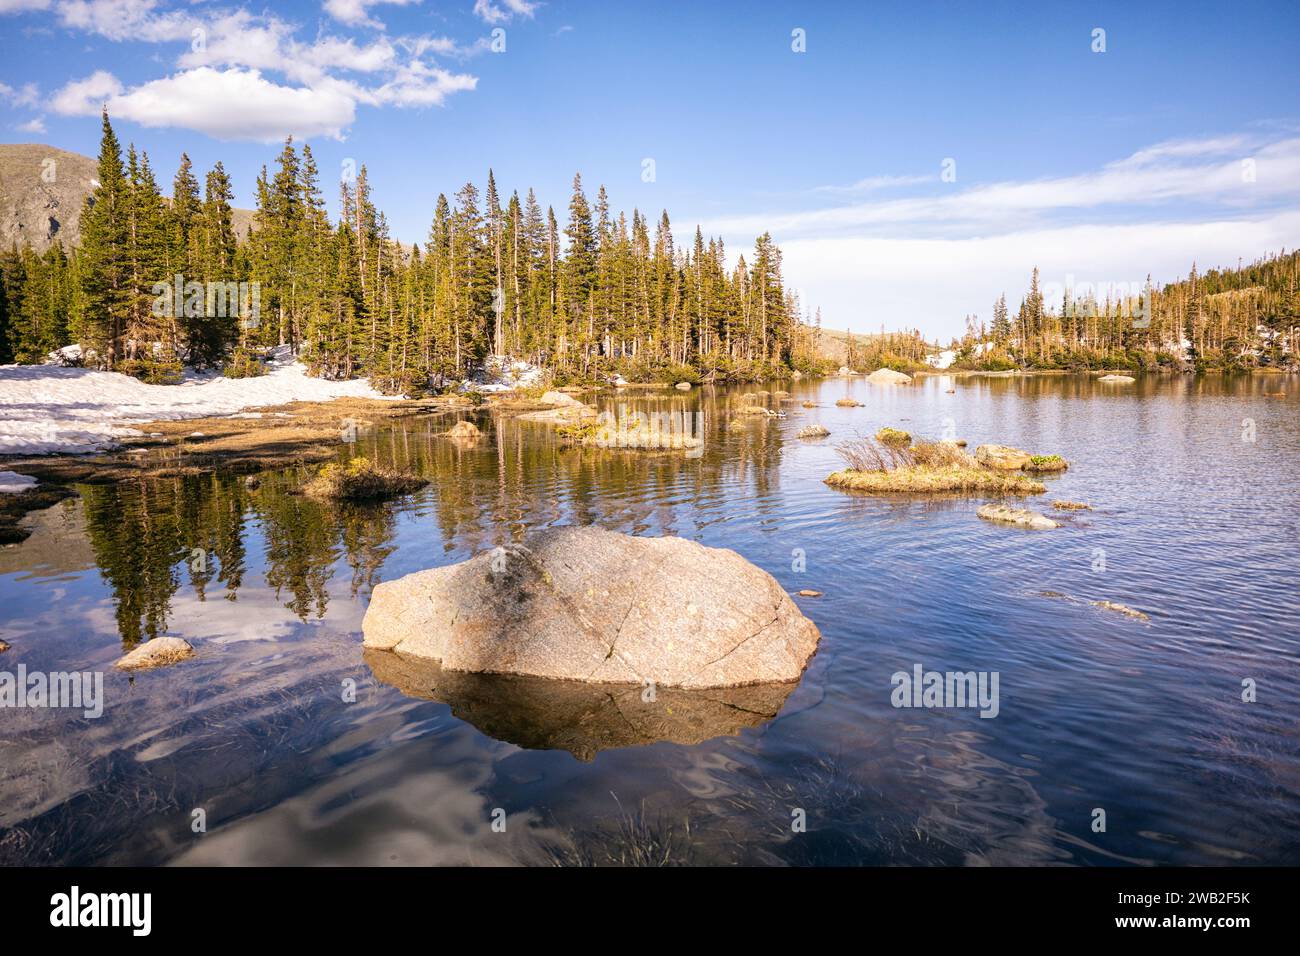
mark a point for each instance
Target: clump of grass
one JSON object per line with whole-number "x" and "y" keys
{"x": 360, "y": 479}
{"x": 1071, "y": 506}
{"x": 848, "y": 403}
{"x": 926, "y": 467}
{"x": 1047, "y": 463}
{"x": 893, "y": 436}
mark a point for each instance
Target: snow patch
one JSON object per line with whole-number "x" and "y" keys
{"x": 45, "y": 409}
{"x": 12, "y": 483}
{"x": 505, "y": 375}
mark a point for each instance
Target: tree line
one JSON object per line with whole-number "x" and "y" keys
{"x": 1247, "y": 317}
{"x": 597, "y": 294}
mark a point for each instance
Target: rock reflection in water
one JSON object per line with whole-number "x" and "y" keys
{"x": 584, "y": 719}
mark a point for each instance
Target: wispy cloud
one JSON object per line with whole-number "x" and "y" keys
{"x": 504, "y": 10}
{"x": 356, "y": 13}
{"x": 928, "y": 260}
{"x": 1236, "y": 171}
{"x": 875, "y": 183}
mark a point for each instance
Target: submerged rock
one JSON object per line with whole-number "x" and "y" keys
{"x": 1118, "y": 379}
{"x": 466, "y": 429}
{"x": 582, "y": 718}
{"x": 159, "y": 652}
{"x": 582, "y": 603}
{"x": 1017, "y": 516}
{"x": 887, "y": 376}
{"x": 1002, "y": 457}
{"x": 1071, "y": 506}
{"x": 1121, "y": 609}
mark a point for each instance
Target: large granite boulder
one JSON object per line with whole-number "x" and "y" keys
{"x": 591, "y": 605}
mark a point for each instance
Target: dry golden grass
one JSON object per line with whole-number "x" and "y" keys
{"x": 360, "y": 480}
{"x": 916, "y": 480}
{"x": 926, "y": 467}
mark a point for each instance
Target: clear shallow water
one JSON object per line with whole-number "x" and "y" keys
{"x": 1144, "y": 720}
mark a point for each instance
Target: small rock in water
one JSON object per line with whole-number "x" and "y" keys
{"x": 557, "y": 398}
{"x": 1121, "y": 609}
{"x": 809, "y": 592}
{"x": 4, "y": 646}
{"x": 1118, "y": 379}
{"x": 812, "y": 431}
{"x": 464, "y": 430}
{"x": 887, "y": 376}
{"x": 160, "y": 652}
{"x": 849, "y": 403}
{"x": 1017, "y": 516}
{"x": 809, "y": 404}
{"x": 683, "y": 386}
{"x": 1002, "y": 457}
{"x": 1071, "y": 506}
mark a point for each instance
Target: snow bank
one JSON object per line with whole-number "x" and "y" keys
{"x": 45, "y": 409}
{"x": 12, "y": 483}
{"x": 504, "y": 375}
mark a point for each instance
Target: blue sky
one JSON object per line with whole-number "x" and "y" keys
{"x": 1180, "y": 141}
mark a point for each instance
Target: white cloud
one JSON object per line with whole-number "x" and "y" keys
{"x": 502, "y": 12}
{"x": 140, "y": 20}
{"x": 26, "y": 95}
{"x": 873, "y": 183}
{"x": 36, "y": 125}
{"x": 247, "y": 76}
{"x": 932, "y": 284}
{"x": 356, "y": 13}
{"x": 1149, "y": 177}
{"x": 226, "y": 104}
{"x": 926, "y": 261}
{"x": 22, "y": 6}
{"x": 88, "y": 96}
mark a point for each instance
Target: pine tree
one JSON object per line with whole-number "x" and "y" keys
{"x": 105, "y": 270}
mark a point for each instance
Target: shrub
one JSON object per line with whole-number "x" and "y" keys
{"x": 153, "y": 371}
{"x": 243, "y": 364}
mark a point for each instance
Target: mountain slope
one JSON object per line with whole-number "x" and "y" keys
{"x": 43, "y": 190}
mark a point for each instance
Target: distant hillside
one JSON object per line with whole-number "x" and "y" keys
{"x": 43, "y": 189}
